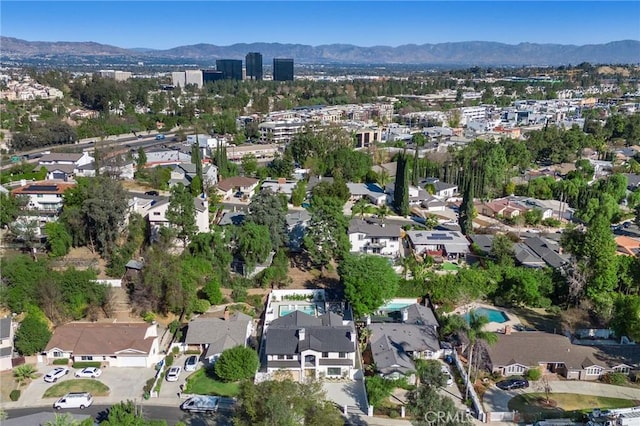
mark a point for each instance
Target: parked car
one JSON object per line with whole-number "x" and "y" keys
{"x": 447, "y": 374}
{"x": 191, "y": 363}
{"x": 152, "y": 193}
{"x": 511, "y": 384}
{"x": 239, "y": 194}
{"x": 173, "y": 374}
{"x": 53, "y": 375}
{"x": 92, "y": 372}
{"x": 79, "y": 400}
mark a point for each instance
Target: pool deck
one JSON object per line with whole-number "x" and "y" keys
{"x": 492, "y": 326}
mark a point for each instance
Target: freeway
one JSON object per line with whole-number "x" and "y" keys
{"x": 171, "y": 414}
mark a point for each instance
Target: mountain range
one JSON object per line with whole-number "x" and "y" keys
{"x": 459, "y": 53}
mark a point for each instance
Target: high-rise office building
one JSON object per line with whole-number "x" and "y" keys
{"x": 231, "y": 68}
{"x": 253, "y": 62}
{"x": 211, "y": 75}
{"x": 193, "y": 77}
{"x": 282, "y": 69}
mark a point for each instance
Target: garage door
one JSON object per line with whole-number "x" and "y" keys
{"x": 131, "y": 361}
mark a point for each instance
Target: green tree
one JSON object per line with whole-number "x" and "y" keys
{"x": 196, "y": 186}
{"x": 299, "y": 193}
{"x": 32, "y": 336}
{"x": 360, "y": 207}
{"x": 467, "y": 209}
{"x": 475, "y": 332}
{"x": 59, "y": 241}
{"x": 533, "y": 217}
{"x": 253, "y": 244}
{"x": 213, "y": 292}
{"x": 369, "y": 281}
{"x": 181, "y": 213}
{"x": 267, "y": 208}
{"x": 430, "y": 373}
{"x": 237, "y": 363}
{"x": 401, "y": 189}
{"x": 502, "y": 249}
{"x": 127, "y": 413}
{"x": 141, "y": 159}
{"x": 285, "y": 403}
{"x": 326, "y": 235}
{"x": 599, "y": 251}
{"x": 427, "y": 406}
{"x": 10, "y": 207}
{"x": 67, "y": 420}
{"x": 249, "y": 164}
{"x": 626, "y": 316}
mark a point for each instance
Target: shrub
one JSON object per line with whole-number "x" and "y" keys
{"x": 533, "y": 374}
{"x": 174, "y": 326}
{"x": 14, "y": 395}
{"x": 85, "y": 364}
{"x": 146, "y": 389}
{"x": 61, "y": 361}
{"x": 32, "y": 335}
{"x": 213, "y": 292}
{"x": 393, "y": 414}
{"x": 168, "y": 360}
{"x": 200, "y": 306}
{"x": 236, "y": 364}
{"x": 175, "y": 350}
{"x": 239, "y": 294}
{"x": 148, "y": 316}
{"x": 615, "y": 379}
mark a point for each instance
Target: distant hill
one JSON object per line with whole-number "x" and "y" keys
{"x": 461, "y": 53}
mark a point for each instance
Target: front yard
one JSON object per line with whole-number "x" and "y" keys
{"x": 204, "y": 382}
{"x": 95, "y": 387}
{"x": 534, "y": 407}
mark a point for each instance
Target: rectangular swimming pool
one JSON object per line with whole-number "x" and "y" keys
{"x": 307, "y": 309}
{"x": 393, "y": 306}
{"x": 493, "y": 315}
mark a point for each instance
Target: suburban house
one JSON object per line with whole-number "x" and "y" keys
{"x": 369, "y": 191}
{"x": 64, "y": 166}
{"x": 433, "y": 204}
{"x": 280, "y": 186}
{"x": 212, "y": 336}
{"x": 500, "y": 208}
{"x": 156, "y": 214}
{"x": 440, "y": 189}
{"x": 373, "y": 237}
{"x": 627, "y": 246}
{"x": 517, "y": 352}
{"x": 395, "y": 345}
{"x": 416, "y": 194}
{"x": 44, "y": 199}
{"x": 114, "y": 344}
{"x": 483, "y": 242}
{"x": 297, "y": 223}
{"x": 306, "y": 346}
{"x": 6, "y": 343}
{"x": 166, "y": 157}
{"x": 449, "y": 244}
{"x": 185, "y": 172}
{"x": 539, "y": 252}
{"x": 246, "y": 185}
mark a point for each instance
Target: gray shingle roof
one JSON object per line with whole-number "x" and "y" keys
{"x": 373, "y": 228}
{"x": 215, "y": 330}
{"x": 321, "y": 334}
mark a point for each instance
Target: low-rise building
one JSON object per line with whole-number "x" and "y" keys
{"x": 246, "y": 185}
{"x": 44, "y": 199}
{"x": 449, "y": 244}
{"x": 371, "y": 236}
{"x": 113, "y": 344}
{"x": 215, "y": 335}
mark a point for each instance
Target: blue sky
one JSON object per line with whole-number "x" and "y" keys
{"x": 166, "y": 24}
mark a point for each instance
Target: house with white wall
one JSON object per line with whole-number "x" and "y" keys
{"x": 44, "y": 199}
{"x": 371, "y": 236}
{"x": 6, "y": 343}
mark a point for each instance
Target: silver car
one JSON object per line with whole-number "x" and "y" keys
{"x": 55, "y": 374}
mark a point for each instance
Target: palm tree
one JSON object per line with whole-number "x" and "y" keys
{"x": 383, "y": 211}
{"x": 24, "y": 372}
{"x": 62, "y": 420}
{"x": 360, "y": 208}
{"x": 475, "y": 332}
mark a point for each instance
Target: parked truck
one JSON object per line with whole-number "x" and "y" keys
{"x": 201, "y": 404}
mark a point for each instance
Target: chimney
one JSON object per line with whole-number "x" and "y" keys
{"x": 405, "y": 315}
{"x": 226, "y": 314}
{"x": 301, "y": 334}
{"x": 507, "y": 329}
{"x": 352, "y": 336}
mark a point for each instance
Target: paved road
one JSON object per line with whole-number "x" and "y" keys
{"x": 496, "y": 400}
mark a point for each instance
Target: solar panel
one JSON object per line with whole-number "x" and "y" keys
{"x": 43, "y": 188}
{"x": 441, "y": 237}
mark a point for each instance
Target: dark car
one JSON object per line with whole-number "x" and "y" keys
{"x": 152, "y": 193}
{"x": 511, "y": 384}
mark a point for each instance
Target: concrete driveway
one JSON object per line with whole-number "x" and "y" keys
{"x": 496, "y": 400}
{"x": 351, "y": 393}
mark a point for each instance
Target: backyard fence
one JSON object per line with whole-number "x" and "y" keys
{"x": 477, "y": 405}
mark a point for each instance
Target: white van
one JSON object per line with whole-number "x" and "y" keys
{"x": 79, "y": 400}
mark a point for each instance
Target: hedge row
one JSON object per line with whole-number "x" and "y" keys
{"x": 85, "y": 364}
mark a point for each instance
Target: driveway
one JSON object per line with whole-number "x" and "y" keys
{"x": 124, "y": 383}
{"x": 496, "y": 400}
{"x": 351, "y": 393}
{"x": 171, "y": 389}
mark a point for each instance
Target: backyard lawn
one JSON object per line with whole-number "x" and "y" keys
{"x": 204, "y": 382}
{"x": 95, "y": 387}
{"x": 532, "y": 405}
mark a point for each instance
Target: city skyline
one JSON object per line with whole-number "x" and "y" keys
{"x": 168, "y": 24}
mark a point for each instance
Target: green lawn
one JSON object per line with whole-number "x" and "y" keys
{"x": 95, "y": 387}
{"x": 449, "y": 267}
{"x": 532, "y": 406}
{"x": 204, "y": 382}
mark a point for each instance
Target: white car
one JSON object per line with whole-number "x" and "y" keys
{"x": 447, "y": 374}
{"x": 191, "y": 363}
{"x": 53, "y": 375}
{"x": 92, "y": 372}
{"x": 173, "y": 374}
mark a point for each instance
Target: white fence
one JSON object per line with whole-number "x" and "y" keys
{"x": 109, "y": 283}
{"x": 477, "y": 405}
{"x": 503, "y": 416}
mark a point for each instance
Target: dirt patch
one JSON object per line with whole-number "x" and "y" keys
{"x": 574, "y": 318}
{"x": 7, "y": 384}
{"x": 539, "y": 319}
{"x": 82, "y": 258}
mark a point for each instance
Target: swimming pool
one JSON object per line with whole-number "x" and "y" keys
{"x": 494, "y": 315}
{"x": 395, "y": 306}
{"x": 307, "y": 309}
